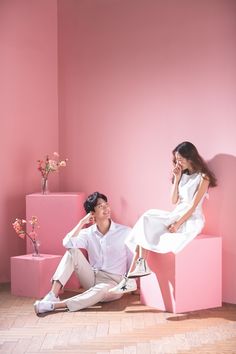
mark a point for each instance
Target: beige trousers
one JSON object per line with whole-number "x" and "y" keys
{"x": 95, "y": 283}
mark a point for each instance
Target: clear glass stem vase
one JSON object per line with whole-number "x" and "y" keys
{"x": 35, "y": 245}
{"x": 44, "y": 186}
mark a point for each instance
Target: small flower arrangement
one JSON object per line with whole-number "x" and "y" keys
{"x": 49, "y": 165}
{"x": 20, "y": 228}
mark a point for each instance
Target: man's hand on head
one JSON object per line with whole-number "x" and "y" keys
{"x": 88, "y": 219}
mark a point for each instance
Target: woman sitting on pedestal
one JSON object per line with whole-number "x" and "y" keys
{"x": 163, "y": 231}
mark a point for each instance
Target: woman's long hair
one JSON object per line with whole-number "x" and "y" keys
{"x": 189, "y": 152}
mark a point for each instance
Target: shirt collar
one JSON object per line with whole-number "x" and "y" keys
{"x": 95, "y": 228}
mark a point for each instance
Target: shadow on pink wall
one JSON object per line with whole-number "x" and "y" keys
{"x": 220, "y": 218}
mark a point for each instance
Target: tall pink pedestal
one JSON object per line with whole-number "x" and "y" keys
{"x": 58, "y": 213}
{"x": 188, "y": 281}
{"x": 30, "y": 276}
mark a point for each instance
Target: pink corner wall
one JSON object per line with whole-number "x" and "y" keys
{"x": 136, "y": 77}
{"x": 28, "y": 109}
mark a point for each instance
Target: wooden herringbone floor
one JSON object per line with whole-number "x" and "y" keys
{"x": 120, "y": 327}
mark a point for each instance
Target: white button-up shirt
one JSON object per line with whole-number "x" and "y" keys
{"x": 105, "y": 252}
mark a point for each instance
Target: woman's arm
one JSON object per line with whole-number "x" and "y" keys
{"x": 177, "y": 172}
{"x": 202, "y": 189}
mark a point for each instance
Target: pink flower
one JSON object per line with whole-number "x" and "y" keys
{"x": 19, "y": 226}
{"x": 50, "y": 165}
{"x": 53, "y": 165}
{"x": 22, "y": 235}
{"x": 34, "y": 220}
{"x": 63, "y": 163}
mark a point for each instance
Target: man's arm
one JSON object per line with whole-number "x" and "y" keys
{"x": 67, "y": 241}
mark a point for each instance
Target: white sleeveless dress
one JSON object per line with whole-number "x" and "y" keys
{"x": 151, "y": 232}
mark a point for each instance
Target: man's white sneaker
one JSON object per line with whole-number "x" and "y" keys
{"x": 140, "y": 270}
{"x": 125, "y": 286}
{"x": 51, "y": 297}
{"x": 43, "y": 306}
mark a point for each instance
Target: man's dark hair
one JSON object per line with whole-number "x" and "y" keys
{"x": 92, "y": 200}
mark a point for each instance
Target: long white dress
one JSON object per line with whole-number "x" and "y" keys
{"x": 151, "y": 232}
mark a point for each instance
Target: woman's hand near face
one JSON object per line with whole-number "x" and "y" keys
{"x": 177, "y": 171}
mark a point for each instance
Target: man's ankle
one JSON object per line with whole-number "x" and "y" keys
{"x": 56, "y": 287}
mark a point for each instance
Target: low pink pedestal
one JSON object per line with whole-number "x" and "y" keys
{"x": 31, "y": 276}
{"x": 188, "y": 281}
{"x": 58, "y": 213}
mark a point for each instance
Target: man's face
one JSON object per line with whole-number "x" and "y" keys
{"x": 102, "y": 210}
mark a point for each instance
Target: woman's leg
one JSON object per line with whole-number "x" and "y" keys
{"x": 140, "y": 267}
{"x": 134, "y": 260}
{"x": 140, "y": 253}
{"x": 143, "y": 253}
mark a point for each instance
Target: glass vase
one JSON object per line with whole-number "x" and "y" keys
{"x": 35, "y": 245}
{"x": 44, "y": 186}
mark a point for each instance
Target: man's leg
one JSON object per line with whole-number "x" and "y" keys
{"x": 98, "y": 293}
{"x": 73, "y": 260}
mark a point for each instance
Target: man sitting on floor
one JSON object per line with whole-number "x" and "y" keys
{"x": 109, "y": 259}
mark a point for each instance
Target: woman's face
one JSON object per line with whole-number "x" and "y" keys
{"x": 184, "y": 163}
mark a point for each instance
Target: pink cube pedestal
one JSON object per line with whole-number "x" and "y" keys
{"x": 31, "y": 276}
{"x": 188, "y": 281}
{"x": 58, "y": 213}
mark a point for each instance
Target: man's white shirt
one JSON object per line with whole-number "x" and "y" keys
{"x": 107, "y": 252}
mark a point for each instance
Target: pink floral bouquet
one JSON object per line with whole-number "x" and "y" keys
{"x": 20, "y": 228}
{"x": 49, "y": 165}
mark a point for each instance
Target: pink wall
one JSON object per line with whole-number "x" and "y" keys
{"x": 136, "y": 77}
{"x": 28, "y": 109}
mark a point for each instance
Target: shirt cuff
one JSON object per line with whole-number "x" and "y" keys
{"x": 67, "y": 242}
